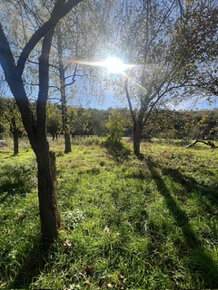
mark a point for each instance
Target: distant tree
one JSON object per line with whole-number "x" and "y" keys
{"x": 10, "y": 116}
{"x": 184, "y": 125}
{"x": 116, "y": 126}
{"x": 53, "y": 120}
{"x": 206, "y": 128}
{"x": 74, "y": 41}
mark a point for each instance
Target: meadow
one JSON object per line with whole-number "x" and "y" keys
{"x": 126, "y": 223}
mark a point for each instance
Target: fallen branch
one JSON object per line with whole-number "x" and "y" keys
{"x": 209, "y": 143}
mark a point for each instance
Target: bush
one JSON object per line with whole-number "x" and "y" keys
{"x": 17, "y": 179}
{"x": 116, "y": 126}
{"x": 118, "y": 149}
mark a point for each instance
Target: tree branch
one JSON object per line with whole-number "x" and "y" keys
{"x": 15, "y": 82}
{"x": 59, "y": 11}
{"x": 129, "y": 101}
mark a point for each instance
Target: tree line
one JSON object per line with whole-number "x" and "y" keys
{"x": 167, "y": 124}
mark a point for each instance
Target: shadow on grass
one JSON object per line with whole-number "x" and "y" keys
{"x": 5, "y": 152}
{"x": 191, "y": 184}
{"x": 8, "y": 190}
{"x": 199, "y": 261}
{"x": 31, "y": 267}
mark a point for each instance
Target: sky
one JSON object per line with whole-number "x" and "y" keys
{"x": 110, "y": 101}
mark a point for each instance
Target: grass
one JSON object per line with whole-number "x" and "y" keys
{"x": 135, "y": 224}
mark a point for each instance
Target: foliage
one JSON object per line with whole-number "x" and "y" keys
{"x": 116, "y": 126}
{"x": 10, "y": 116}
{"x": 53, "y": 120}
{"x": 183, "y": 125}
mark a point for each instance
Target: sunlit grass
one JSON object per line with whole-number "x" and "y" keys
{"x": 135, "y": 224}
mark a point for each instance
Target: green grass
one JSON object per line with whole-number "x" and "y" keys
{"x": 135, "y": 224}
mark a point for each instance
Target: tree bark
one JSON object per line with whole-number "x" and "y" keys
{"x": 47, "y": 192}
{"x": 16, "y": 142}
{"x": 67, "y": 141}
{"x": 136, "y": 140}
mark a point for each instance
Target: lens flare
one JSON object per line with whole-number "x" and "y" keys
{"x": 113, "y": 64}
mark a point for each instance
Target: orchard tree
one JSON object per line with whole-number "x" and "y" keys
{"x": 71, "y": 38}
{"x": 206, "y": 128}
{"x": 10, "y": 116}
{"x": 35, "y": 124}
{"x": 166, "y": 40}
{"x": 53, "y": 120}
{"x": 116, "y": 125}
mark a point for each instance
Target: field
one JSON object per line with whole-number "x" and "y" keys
{"x": 127, "y": 224}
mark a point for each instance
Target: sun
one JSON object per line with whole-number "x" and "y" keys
{"x": 115, "y": 65}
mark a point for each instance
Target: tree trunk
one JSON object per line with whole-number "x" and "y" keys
{"x": 67, "y": 143}
{"x": 53, "y": 136}
{"x": 63, "y": 91}
{"x": 16, "y": 140}
{"x": 136, "y": 141}
{"x": 47, "y": 193}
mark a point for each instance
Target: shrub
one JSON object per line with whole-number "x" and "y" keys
{"x": 116, "y": 126}
{"x": 118, "y": 149}
{"x": 17, "y": 179}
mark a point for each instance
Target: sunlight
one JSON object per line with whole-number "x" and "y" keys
{"x": 115, "y": 65}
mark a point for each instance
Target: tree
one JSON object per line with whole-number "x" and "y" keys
{"x": 200, "y": 35}
{"x": 116, "y": 125}
{"x": 35, "y": 125}
{"x": 62, "y": 78}
{"x": 71, "y": 38}
{"x": 165, "y": 44}
{"x": 205, "y": 128}
{"x": 11, "y": 116}
{"x": 53, "y": 120}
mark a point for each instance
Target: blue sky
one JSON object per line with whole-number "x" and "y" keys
{"x": 110, "y": 101}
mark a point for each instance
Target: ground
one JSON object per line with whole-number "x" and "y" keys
{"x": 127, "y": 224}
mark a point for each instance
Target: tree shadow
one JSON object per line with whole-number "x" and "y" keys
{"x": 32, "y": 266}
{"x": 191, "y": 184}
{"x": 4, "y": 152}
{"x": 199, "y": 261}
